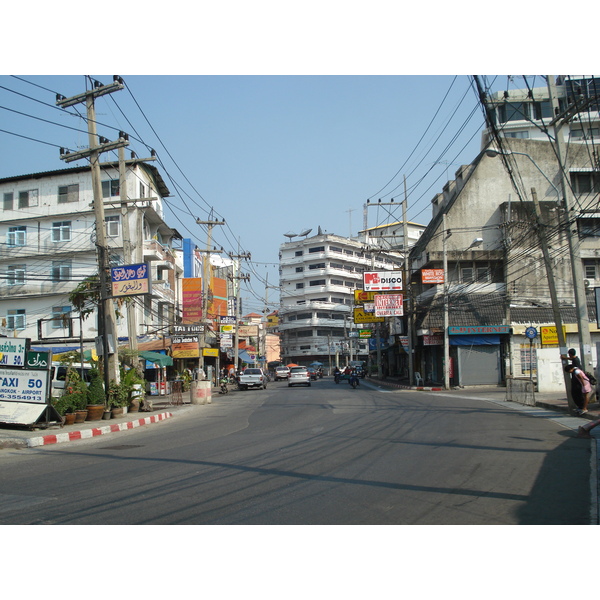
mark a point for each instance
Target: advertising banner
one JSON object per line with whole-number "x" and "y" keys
{"x": 12, "y": 351}
{"x": 375, "y": 281}
{"x": 432, "y": 276}
{"x": 360, "y": 316}
{"x": 389, "y": 305}
{"x": 192, "y": 299}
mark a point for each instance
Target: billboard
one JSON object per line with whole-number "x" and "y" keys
{"x": 432, "y": 276}
{"x": 376, "y": 281}
{"x": 389, "y": 305}
{"x": 192, "y": 299}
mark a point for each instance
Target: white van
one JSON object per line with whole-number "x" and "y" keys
{"x": 58, "y": 375}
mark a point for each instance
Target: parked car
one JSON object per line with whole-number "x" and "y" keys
{"x": 252, "y": 377}
{"x": 282, "y": 373}
{"x": 298, "y": 376}
{"x": 312, "y": 372}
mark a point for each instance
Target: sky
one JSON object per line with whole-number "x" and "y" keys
{"x": 269, "y": 154}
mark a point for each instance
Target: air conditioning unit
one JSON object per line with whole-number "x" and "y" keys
{"x": 587, "y": 282}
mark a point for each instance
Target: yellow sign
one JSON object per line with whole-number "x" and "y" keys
{"x": 190, "y": 353}
{"x": 360, "y": 316}
{"x": 549, "y": 335}
{"x": 210, "y": 352}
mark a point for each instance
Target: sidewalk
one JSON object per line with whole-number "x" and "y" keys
{"x": 550, "y": 400}
{"x": 14, "y": 436}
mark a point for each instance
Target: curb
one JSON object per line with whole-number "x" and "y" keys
{"x": 398, "y": 386}
{"x": 59, "y": 438}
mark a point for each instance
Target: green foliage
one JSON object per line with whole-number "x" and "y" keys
{"x": 62, "y": 405}
{"x": 96, "y": 388}
{"x": 120, "y": 393}
{"x": 76, "y": 391}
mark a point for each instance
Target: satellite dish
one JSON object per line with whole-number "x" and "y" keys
{"x": 305, "y": 232}
{"x": 290, "y": 235}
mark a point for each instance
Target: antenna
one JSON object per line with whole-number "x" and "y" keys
{"x": 290, "y": 235}
{"x": 305, "y": 232}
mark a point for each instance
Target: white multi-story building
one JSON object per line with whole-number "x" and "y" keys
{"x": 48, "y": 246}
{"x": 318, "y": 276}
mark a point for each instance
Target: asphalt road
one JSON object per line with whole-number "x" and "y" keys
{"x": 326, "y": 454}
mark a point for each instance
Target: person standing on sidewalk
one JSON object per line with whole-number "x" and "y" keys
{"x": 580, "y": 388}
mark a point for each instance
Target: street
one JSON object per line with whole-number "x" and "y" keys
{"x": 325, "y": 454}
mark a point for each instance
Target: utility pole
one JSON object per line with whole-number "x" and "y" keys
{"x": 205, "y": 280}
{"x": 107, "y": 322}
{"x": 583, "y": 323}
{"x": 445, "y": 236}
{"x": 540, "y": 226}
{"x": 237, "y": 278}
{"x": 407, "y": 276}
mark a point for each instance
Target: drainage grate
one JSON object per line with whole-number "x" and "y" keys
{"x": 122, "y": 447}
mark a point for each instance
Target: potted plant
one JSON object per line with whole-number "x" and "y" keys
{"x": 76, "y": 395}
{"x": 97, "y": 398}
{"x": 118, "y": 398}
{"x": 132, "y": 383}
{"x": 64, "y": 407}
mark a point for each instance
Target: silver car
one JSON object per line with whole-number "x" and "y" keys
{"x": 298, "y": 376}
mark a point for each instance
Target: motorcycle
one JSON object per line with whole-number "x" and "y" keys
{"x": 336, "y": 377}
{"x": 354, "y": 380}
{"x": 224, "y": 385}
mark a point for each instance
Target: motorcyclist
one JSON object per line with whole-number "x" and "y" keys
{"x": 336, "y": 375}
{"x": 354, "y": 380}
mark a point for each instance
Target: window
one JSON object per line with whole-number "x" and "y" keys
{"x": 335, "y": 249}
{"x": 336, "y": 281}
{"x": 298, "y": 253}
{"x": 482, "y": 274}
{"x": 305, "y": 333}
{"x": 17, "y": 236}
{"x": 28, "y": 198}
{"x": 336, "y": 266}
{"x": 585, "y": 182}
{"x": 589, "y": 267}
{"x": 299, "y": 286}
{"x": 8, "y": 201}
{"x": 142, "y": 190}
{"x": 110, "y": 188}
{"x": 589, "y": 227}
{"x": 317, "y": 282}
{"x": 542, "y": 110}
{"x": 299, "y": 269}
{"x": 112, "y": 226}
{"x": 304, "y": 347}
{"x": 317, "y": 266}
{"x": 305, "y": 316}
{"x": 15, "y": 318}
{"x": 61, "y": 270}
{"x": 15, "y": 274}
{"x": 68, "y": 193}
{"x": 513, "y": 111}
{"x": 316, "y": 249}
{"x": 61, "y": 231}
{"x": 466, "y": 275}
{"x": 60, "y": 314}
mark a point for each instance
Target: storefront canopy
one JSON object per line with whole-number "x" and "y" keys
{"x": 162, "y": 360}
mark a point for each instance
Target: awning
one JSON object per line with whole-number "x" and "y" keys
{"x": 162, "y": 360}
{"x": 244, "y": 356}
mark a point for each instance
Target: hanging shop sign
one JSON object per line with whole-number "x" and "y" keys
{"x": 549, "y": 335}
{"x": 389, "y": 305}
{"x": 436, "y": 339}
{"x": 432, "y": 276}
{"x": 227, "y": 320}
{"x": 227, "y": 329}
{"x": 361, "y": 316}
{"x": 375, "y": 281}
{"x": 131, "y": 280}
{"x": 364, "y": 333}
{"x": 187, "y": 329}
{"x": 210, "y": 352}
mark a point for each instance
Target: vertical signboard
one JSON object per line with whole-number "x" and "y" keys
{"x": 192, "y": 299}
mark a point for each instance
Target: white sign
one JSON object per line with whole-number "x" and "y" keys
{"x": 23, "y": 385}
{"x": 378, "y": 281}
{"x": 389, "y": 305}
{"x": 12, "y": 351}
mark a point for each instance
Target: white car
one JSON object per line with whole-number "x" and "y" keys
{"x": 298, "y": 376}
{"x": 282, "y": 373}
{"x": 252, "y": 377}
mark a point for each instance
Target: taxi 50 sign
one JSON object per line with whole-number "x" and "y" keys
{"x": 378, "y": 281}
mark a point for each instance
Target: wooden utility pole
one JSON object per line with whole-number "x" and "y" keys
{"x": 107, "y": 322}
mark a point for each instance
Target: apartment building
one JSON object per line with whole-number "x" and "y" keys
{"x": 48, "y": 246}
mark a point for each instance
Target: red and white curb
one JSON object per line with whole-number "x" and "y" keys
{"x": 71, "y": 436}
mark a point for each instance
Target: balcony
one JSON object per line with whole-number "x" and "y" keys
{"x": 153, "y": 250}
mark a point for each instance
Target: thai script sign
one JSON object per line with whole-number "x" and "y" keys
{"x": 12, "y": 351}
{"x": 227, "y": 320}
{"x": 130, "y": 280}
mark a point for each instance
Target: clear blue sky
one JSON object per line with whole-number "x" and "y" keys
{"x": 270, "y": 154}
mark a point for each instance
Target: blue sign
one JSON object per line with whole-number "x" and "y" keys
{"x": 531, "y": 333}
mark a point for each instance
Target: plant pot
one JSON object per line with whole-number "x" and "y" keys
{"x": 118, "y": 411}
{"x": 80, "y": 416}
{"x": 69, "y": 418}
{"x": 134, "y": 406}
{"x": 106, "y": 415}
{"x": 95, "y": 412}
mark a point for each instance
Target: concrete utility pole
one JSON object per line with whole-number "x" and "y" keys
{"x": 98, "y": 145}
{"x": 445, "y": 236}
{"x": 205, "y": 279}
{"x": 237, "y": 278}
{"x": 583, "y": 322}
{"x": 407, "y": 277}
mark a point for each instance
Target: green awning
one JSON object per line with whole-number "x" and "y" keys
{"x": 162, "y": 360}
